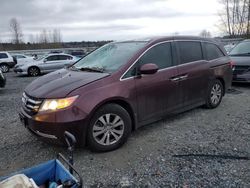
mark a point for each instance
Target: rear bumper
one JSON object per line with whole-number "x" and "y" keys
{"x": 53, "y": 132}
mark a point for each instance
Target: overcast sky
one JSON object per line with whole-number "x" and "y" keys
{"x": 81, "y": 20}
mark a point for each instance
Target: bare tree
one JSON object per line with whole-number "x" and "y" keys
{"x": 15, "y": 28}
{"x": 205, "y": 33}
{"x": 235, "y": 17}
{"x": 57, "y": 37}
{"x": 44, "y": 38}
{"x": 31, "y": 39}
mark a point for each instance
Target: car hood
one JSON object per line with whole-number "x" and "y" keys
{"x": 241, "y": 60}
{"x": 60, "y": 83}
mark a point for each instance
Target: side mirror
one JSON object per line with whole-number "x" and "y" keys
{"x": 45, "y": 60}
{"x": 149, "y": 68}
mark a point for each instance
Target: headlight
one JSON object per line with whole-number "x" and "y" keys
{"x": 56, "y": 104}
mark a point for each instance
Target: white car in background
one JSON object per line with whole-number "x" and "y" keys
{"x": 6, "y": 61}
{"x": 21, "y": 59}
{"x": 45, "y": 64}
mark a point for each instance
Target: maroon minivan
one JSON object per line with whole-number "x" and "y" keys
{"x": 125, "y": 85}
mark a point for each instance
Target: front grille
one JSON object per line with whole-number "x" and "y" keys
{"x": 239, "y": 69}
{"x": 31, "y": 104}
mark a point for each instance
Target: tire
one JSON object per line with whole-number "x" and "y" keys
{"x": 5, "y": 68}
{"x": 34, "y": 71}
{"x": 215, "y": 94}
{"x": 109, "y": 128}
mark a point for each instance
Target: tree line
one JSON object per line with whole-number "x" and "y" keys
{"x": 46, "y": 39}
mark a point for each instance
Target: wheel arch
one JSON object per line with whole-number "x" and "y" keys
{"x": 223, "y": 83}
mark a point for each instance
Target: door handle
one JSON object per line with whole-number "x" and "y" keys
{"x": 183, "y": 77}
{"x": 179, "y": 78}
{"x": 175, "y": 79}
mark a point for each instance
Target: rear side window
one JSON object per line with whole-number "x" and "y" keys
{"x": 53, "y": 58}
{"x": 212, "y": 51}
{"x": 3, "y": 55}
{"x": 65, "y": 57}
{"x": 189, "y": 51}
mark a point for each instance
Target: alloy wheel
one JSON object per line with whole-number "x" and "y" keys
{"x": 4, "y": 68}
{"x": 108, "y": 129}
{"x": 33, "y": 71}
{"x": 216, "y": 94}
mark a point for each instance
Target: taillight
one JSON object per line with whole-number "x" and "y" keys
{"x": 231, "y": 64}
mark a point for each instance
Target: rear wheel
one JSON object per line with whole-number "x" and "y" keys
{"x": 215, "y": 94}
{"x": 109, "y": 128}
{"x": 33, "y": 71}
{"x": 5, "y": 68}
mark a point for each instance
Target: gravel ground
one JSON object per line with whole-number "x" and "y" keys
{"x": 198, "y": 148}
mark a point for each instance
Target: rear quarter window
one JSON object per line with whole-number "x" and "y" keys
{"x": 212, "y": 51}
{"x": 189, "y": 51}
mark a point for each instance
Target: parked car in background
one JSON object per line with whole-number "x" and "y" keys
{"x": 6, "y": 61}
{"x": 21, "y": 59}
{"x": 240, "y": 55}
{"x": 2, "y": 79}
{"x": 45, "y": 64}
{"x": 125, "y": 85}
{"x": 229, "y": 47}
{"x": 77, "y": 53}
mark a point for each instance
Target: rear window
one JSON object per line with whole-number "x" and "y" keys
{"x": 212, "y": 51}
{"x": 189, "y": 51}
{"x": 3, "y": 55}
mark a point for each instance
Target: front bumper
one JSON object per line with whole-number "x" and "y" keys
{"x": 20, "y": 71}
{"x": 53, "y": 132}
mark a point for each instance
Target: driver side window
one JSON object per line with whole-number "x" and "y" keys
{"x": 161, "y": 55}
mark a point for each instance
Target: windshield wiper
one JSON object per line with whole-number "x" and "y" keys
{"x": 92, "y": 69}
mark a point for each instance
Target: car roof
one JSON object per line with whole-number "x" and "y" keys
{"x": 58, "y": 54}
{"x": 166, "y": 38}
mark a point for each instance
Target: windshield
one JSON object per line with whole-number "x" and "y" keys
{"x": 109, "y": 57}
{"x": 242, "y": 48}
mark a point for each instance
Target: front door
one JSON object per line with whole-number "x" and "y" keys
{"x": 157, "y": 94}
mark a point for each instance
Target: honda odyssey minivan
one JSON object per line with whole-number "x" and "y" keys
{"x": 125, "y": 85}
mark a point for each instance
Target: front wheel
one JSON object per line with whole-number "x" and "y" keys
{"x": 109, "y": 128}
{"x": 215, "y": 94}
{"x": 33, "y": 71}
